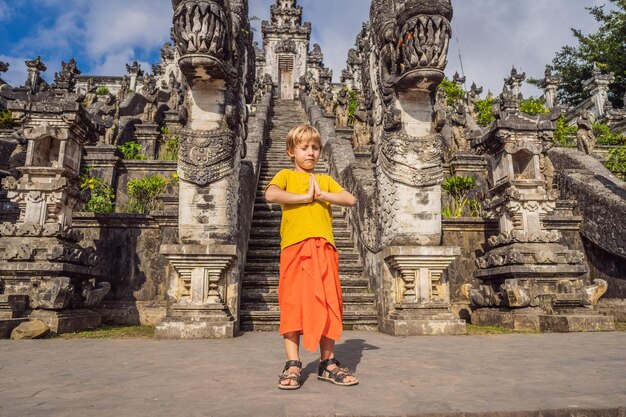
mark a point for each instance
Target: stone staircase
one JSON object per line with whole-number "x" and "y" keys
{"x": 259, "y": 298}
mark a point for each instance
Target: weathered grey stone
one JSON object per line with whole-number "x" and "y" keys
{"x": 67, "y": 321}
{"x": 51, "y": 294}
{"x": 30, "y": 330}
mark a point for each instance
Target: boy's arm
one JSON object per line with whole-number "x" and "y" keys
{"x": 343, "y": 198}
{"x": 275, "y": 194}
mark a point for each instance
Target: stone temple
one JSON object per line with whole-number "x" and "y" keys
{"x": 139, "y": 199}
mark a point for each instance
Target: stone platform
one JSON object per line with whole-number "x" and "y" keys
{"x": 518, "y": 375}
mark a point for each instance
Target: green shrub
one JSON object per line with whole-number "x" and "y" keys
{"x": 143, "y": 193}
{"x": 131, "y": 150}
{"x": 616, "y": 162}
{"x": 454, "y": 93}
{"x": 101, "y": 196}
{"x": 6, "y": 121}
{"x": 533, "y": 106}
{"x": 565, "y": 135}
{"x": 605, "y": 137}
{"x": 353, "y": 103}
{"x": 484, "y": 109}
{"x": 458, "y": 186}
{"x": 172, "y": 144}
{"x": 102, "y": 91}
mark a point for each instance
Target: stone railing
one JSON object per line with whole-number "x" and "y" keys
{"x": 601, "y": 200}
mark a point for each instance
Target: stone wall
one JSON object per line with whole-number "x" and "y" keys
{"x": 128, "y": 252}
{"x": 470, "y": 234}
{"x": 600, "y": 198}
{"x": 130, "y": 170}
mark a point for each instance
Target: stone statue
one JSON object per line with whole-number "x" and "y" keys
{"x": 90, "y": 96}
{"x": 459, "y": 124}
{"x": 361, "y": 138}
{"x": 112, "y": 113}
{"x": 124, "y": 87}
{"x": 472, "y": 97}
{"x": 328, "y": 99}
{"x": 151, "y": 93}
{"x": 585, "y": 139}
{"x": 342, "y": 109}
{"x": 34, "y": 82}
{"x": 547, "y": 170}
{"x": 18, "y": 156}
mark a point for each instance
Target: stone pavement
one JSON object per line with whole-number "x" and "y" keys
{"x": 571, "y": 375}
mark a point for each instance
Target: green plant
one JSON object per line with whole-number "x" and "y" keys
{"x": 102, "y": 91}
{"x": 458, "y": 186}
{"x": 353, "y": 102}
{"x": 172, "y": 144}
{"x": 6, "y": 120}
{"x": 143, "y": 193}
{"x": 454, "y": 93}
{"x": 101, "y": 196}
{"x": 131, "y": 150}
{"x": 616, "y": 162}
{"x": 533, "y": 106}
{"x": 604, "y": 136}
{"x": 565, "y": 135}
{"x": 484, "y": 109}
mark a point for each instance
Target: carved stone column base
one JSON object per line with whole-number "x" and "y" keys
{"x": 218, "y": 327}
{"x": 535, "y": 319}
{"x": 67, "y": 321}
{"x": 198, "y": 292}
{"x": 420, "y": 291}
{"x": 413, "y": 321}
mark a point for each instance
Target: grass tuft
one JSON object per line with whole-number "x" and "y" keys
{"x": 477, "y": 330}
{"x": 113, "y": 332}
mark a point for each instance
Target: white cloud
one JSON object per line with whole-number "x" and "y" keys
{"x": 16, "y": 75}
{"x": 115, "y": 24}
{"x": 5, "y": 11}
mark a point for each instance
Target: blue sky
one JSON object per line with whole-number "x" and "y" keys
{"x": 492, "y": 35}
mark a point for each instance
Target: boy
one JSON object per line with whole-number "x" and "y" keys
{"x": 309, "y": 293}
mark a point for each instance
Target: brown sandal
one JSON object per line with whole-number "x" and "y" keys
{"x": 291, "y": 376}
{"x": 337, "y": 375}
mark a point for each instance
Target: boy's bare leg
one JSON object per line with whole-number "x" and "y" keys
{"x": 327, "y": 347}
{"x": 292, "y": 349}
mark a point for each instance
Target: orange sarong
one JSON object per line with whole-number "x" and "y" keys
{"x": 309, "y": 292}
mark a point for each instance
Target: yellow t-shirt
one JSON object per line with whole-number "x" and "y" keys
{"x": 302, "y": 221}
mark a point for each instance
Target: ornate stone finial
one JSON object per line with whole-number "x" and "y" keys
{"x": 66, "y": 79}
{"x": 514, "y": 82}
{"x": 135, "y": 69}
{"x": 458, "y": 80}
{"x": 550, "y": 85}
{"x": 598, "y": 86}
{"x": 34, "y": 82}
{"x": 167, "y": 52}
{"x": 4, "y": 66}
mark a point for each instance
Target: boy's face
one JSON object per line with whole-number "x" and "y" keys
{"x": 305, "y": 155}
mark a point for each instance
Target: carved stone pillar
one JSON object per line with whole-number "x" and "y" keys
{"x": 420, "y": 292}
{"x": 214, "y": 65}
{"x": 147, "y": 135}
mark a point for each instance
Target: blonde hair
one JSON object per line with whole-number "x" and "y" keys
{"x": 303, "y": 133}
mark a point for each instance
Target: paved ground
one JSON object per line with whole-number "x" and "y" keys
{"x": 503, "y": 375}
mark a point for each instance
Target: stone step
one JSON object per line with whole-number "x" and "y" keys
{"x": 268, "y": 281}
{"x": 270, "y": 320}
{"x": 272, "y": 267}
{"x": 351, "y": 299}
{"x": 274, "y": 243}
{"x": 268, "y": 253}
{"x": 271, "y": 231}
